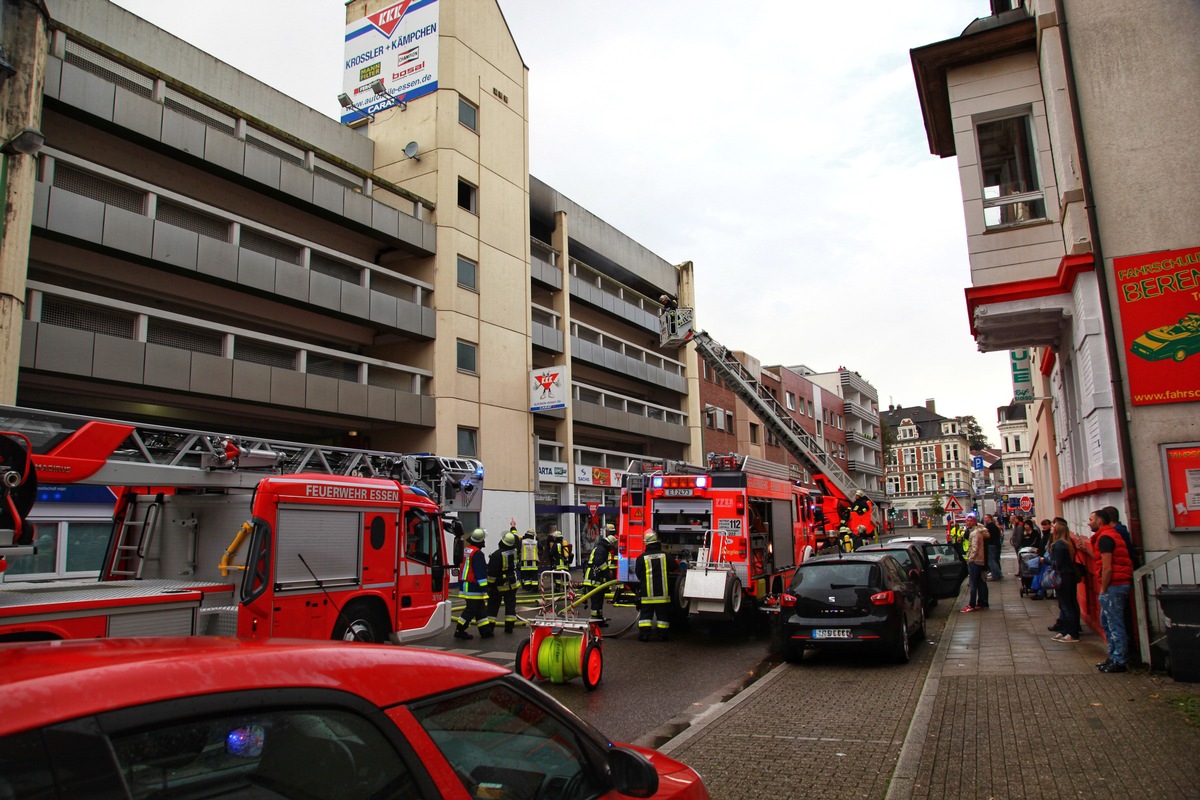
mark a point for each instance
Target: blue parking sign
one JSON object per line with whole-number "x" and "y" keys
{"x": 978, "y": 462}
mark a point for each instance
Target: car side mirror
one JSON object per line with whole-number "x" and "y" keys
{"x": 632, "y": 772}
{"x": 914, "y": 576}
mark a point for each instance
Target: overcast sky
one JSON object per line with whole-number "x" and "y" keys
{"x": 778, "y": 144}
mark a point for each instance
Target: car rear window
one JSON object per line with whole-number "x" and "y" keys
{"x": 835, "y": 573}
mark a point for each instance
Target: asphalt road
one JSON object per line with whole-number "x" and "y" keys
{"x": 649, "y": 689}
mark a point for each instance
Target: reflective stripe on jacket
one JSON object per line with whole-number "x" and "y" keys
{"x": 652, "y": 569}
{"x": 474, "y": 574}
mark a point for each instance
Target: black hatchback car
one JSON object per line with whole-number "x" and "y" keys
{"x": 940, "y": 568}
{"x": 859, "y": 600}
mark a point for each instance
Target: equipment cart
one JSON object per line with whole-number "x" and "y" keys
{"x": 562, "y": 645}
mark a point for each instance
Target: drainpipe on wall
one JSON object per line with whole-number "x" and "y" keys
{"x": 1124, "y": 443}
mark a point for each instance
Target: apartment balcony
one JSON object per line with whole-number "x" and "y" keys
{"x": 75, "y": 335}
{"x": 617, "y": 355}
{"x": 860, "y": 411}
{"x": 600, "y": 291}
{"x": 93, "y": 206}
{"x": 543, "y": 265}
{"x": 862, "y": 439}
{"x": 866, "y": 467}
{"x": 596, "y": 406}
{"x": 545, "y": 330}
{"x": 854, "y": 382}
{"x": 95, "y": 84}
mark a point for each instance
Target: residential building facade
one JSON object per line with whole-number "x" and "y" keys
{"x": 860, "y": 418}
{"x": 1015, "y": 443}
{"x": 929, "y": 462}
{"x": 1068, "y": 120}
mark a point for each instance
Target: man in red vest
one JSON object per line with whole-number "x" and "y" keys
{"x": 1114, "y": 577}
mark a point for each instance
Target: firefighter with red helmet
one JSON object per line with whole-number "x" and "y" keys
{"x": 502, "y": 584}
{"x": 472, "y": 587}
{"x": 654, "y": 569}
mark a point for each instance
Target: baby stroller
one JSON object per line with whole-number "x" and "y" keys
{"x": 1029, "y": 564}
{"x": 1030, "y": 567}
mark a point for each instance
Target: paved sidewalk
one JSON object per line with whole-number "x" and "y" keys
{"x": 1004, "y": 712}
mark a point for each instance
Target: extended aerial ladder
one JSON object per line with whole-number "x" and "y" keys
{"x": 797, "y": 441}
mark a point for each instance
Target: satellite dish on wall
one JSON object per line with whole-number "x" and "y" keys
{"x": 410, "y": 150}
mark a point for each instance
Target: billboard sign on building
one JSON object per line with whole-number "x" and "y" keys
{"x": 397, "y": 45}
{"x": 1022, "y": 375}
{"x": 1181, "y": 477}
{"x": 1160, "y": 322}
{"x": 548, "y": 388}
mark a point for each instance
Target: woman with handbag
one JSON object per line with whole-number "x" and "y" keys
{"x": 1061, "y": 554}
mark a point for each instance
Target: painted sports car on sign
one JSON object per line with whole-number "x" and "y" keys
{"x": 1176, "y": 342}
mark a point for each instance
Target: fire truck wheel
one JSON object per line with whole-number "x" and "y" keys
{"x": 679, "y": 603}
{"x": 524, "y": 661}
{"x": 360, "y": 623}
{"x": 593, "y": 666}
{"x": 733, "y": 597}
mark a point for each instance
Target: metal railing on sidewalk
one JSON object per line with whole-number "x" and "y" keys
{"x": 1179, "y": 566}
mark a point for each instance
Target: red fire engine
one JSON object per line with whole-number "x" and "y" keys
{"x": 216, "y": 534}
{"x": 741, "y": 525}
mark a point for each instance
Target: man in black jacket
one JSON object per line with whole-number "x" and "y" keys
{"x": 993, "y": 547}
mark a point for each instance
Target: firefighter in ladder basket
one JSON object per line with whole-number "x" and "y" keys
{"x": 655, "y": 569}
{"x": 473, "y": 587}
{"x": 502, "y": 583}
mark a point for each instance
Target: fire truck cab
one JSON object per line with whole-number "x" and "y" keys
{"x": 738, "y": 527}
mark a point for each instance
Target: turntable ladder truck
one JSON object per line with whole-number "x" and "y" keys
{"x": 232, "y": 535}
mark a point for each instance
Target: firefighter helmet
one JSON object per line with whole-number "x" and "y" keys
{"x": 859, "y": 493}
{"x": 612, "y": 540}
{"x": 509, "y": 539}
{"x": 650, "y": 538}
{"x": 477, "y": 536}
{"x": 610, "y": 527}
{"x": 529, "y": 534}
{"x": 557, "y": 534}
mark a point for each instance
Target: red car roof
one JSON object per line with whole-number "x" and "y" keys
{"x": 47, "y": 682}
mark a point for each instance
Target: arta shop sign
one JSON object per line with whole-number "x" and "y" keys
{"x": 1159, "y": 298}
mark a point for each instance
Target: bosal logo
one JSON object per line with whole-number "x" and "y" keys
{"x": 387, "y": 19}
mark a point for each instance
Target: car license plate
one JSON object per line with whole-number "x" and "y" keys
{"x": 831, "y": 633}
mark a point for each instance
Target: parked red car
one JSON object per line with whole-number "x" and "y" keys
{"x": 208, "y": 717}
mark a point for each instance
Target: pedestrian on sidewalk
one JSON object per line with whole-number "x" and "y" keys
{"x": 994, "y": 543}
{"x": 1062, "y": 558}
{"x": 1113, "y": 571}
{"x": 977, "y": 566}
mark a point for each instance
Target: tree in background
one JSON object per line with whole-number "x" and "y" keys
{"x": 976, "y": 438}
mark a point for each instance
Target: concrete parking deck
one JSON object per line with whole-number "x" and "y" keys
{"x": 1004, "y": 711}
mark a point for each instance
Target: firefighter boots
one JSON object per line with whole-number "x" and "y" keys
{"x": 643, "y": 636}
{"x": 508, "y": 627}
{"x": 461, "y": 633}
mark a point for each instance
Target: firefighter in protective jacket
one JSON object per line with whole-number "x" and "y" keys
{"x": 560, "y": 557}
{"x": 473, "y": 587}
{"x": 600, "y": 571}
{"x": 529, "y": 561}
{"x": 502, "y": 583}
{"x": 654, "y": 569}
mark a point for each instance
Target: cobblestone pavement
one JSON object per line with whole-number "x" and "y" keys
{"x": 991, "y": 707}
